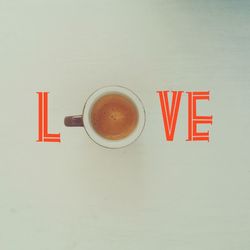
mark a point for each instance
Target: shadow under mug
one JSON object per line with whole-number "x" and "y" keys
{"x": 84, "y": 120}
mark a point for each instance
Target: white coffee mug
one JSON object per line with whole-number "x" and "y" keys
{"x": 84, "y": 120}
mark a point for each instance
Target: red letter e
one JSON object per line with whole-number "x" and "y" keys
{"x": 194, "y": 119}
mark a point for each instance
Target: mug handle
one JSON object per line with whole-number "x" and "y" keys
{"x": 73, "y": 121}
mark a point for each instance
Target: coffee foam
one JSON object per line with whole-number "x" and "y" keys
{"x": 114, "y": 116}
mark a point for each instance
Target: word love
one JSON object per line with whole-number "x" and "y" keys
{"x": 170, "y": 114}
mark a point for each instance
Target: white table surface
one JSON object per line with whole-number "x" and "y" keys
{"x": 153, "y": 194}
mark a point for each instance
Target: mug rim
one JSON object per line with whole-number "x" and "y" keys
{"x": 107, "y": 143}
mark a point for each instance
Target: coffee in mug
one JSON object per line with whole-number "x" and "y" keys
{"x": 113, "y": 117}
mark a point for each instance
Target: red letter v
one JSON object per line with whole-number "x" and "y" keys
{"x": 170, "y": 116}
